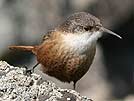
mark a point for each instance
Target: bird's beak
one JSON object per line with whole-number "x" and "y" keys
{"x": 110, "y": 32}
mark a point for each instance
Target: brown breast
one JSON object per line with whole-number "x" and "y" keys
{"x": 63, "y": 63}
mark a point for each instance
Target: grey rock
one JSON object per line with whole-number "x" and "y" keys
{"x": 15, "y": 85}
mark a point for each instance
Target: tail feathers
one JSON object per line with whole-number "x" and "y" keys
{"x": 24, "y": 48}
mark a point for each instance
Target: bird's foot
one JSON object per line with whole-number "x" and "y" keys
{"x": 29, "y": 71}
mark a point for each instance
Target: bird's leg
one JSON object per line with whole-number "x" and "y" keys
{"x": 34, "y": 66}
{"x": 28, "y": 72}
{"x": 31, "y": 70}
{"x": 74, "y": 84}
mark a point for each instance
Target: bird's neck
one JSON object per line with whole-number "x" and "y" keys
{"x": 80, "y": 43}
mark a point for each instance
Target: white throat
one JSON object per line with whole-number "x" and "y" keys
{"x": 81, "y": 42}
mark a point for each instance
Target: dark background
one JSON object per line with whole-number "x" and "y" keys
{"x": 24, "y": 22}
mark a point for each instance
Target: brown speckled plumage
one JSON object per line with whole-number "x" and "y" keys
{"x": 67, "y": 52}
{"x": 57, "y": 57}
{"x": 81, "y": 19}
{"x": 61, "y": 63}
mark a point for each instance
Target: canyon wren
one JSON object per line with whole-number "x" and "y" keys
{"x": 67, "y": 52}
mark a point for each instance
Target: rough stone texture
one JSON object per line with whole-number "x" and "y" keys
{"x": 17, "y": 85}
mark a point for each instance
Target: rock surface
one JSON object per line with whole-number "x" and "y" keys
{"x": 17, "y": 85}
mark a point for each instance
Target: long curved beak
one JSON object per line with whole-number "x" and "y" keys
{"x": 110, "y": 32}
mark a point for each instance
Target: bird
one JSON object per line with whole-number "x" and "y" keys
{"x": 67, "y": 51}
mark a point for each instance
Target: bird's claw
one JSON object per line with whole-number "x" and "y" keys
{"x": 28, "y": 71}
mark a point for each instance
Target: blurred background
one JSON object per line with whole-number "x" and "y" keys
{"x": 111, "y": 77}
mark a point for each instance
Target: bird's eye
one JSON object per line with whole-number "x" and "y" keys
{"x": 97, "y": 27}
{"x": 89, "y": 28}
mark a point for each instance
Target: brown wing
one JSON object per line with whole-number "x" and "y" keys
{"x": 47, "y": 35}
